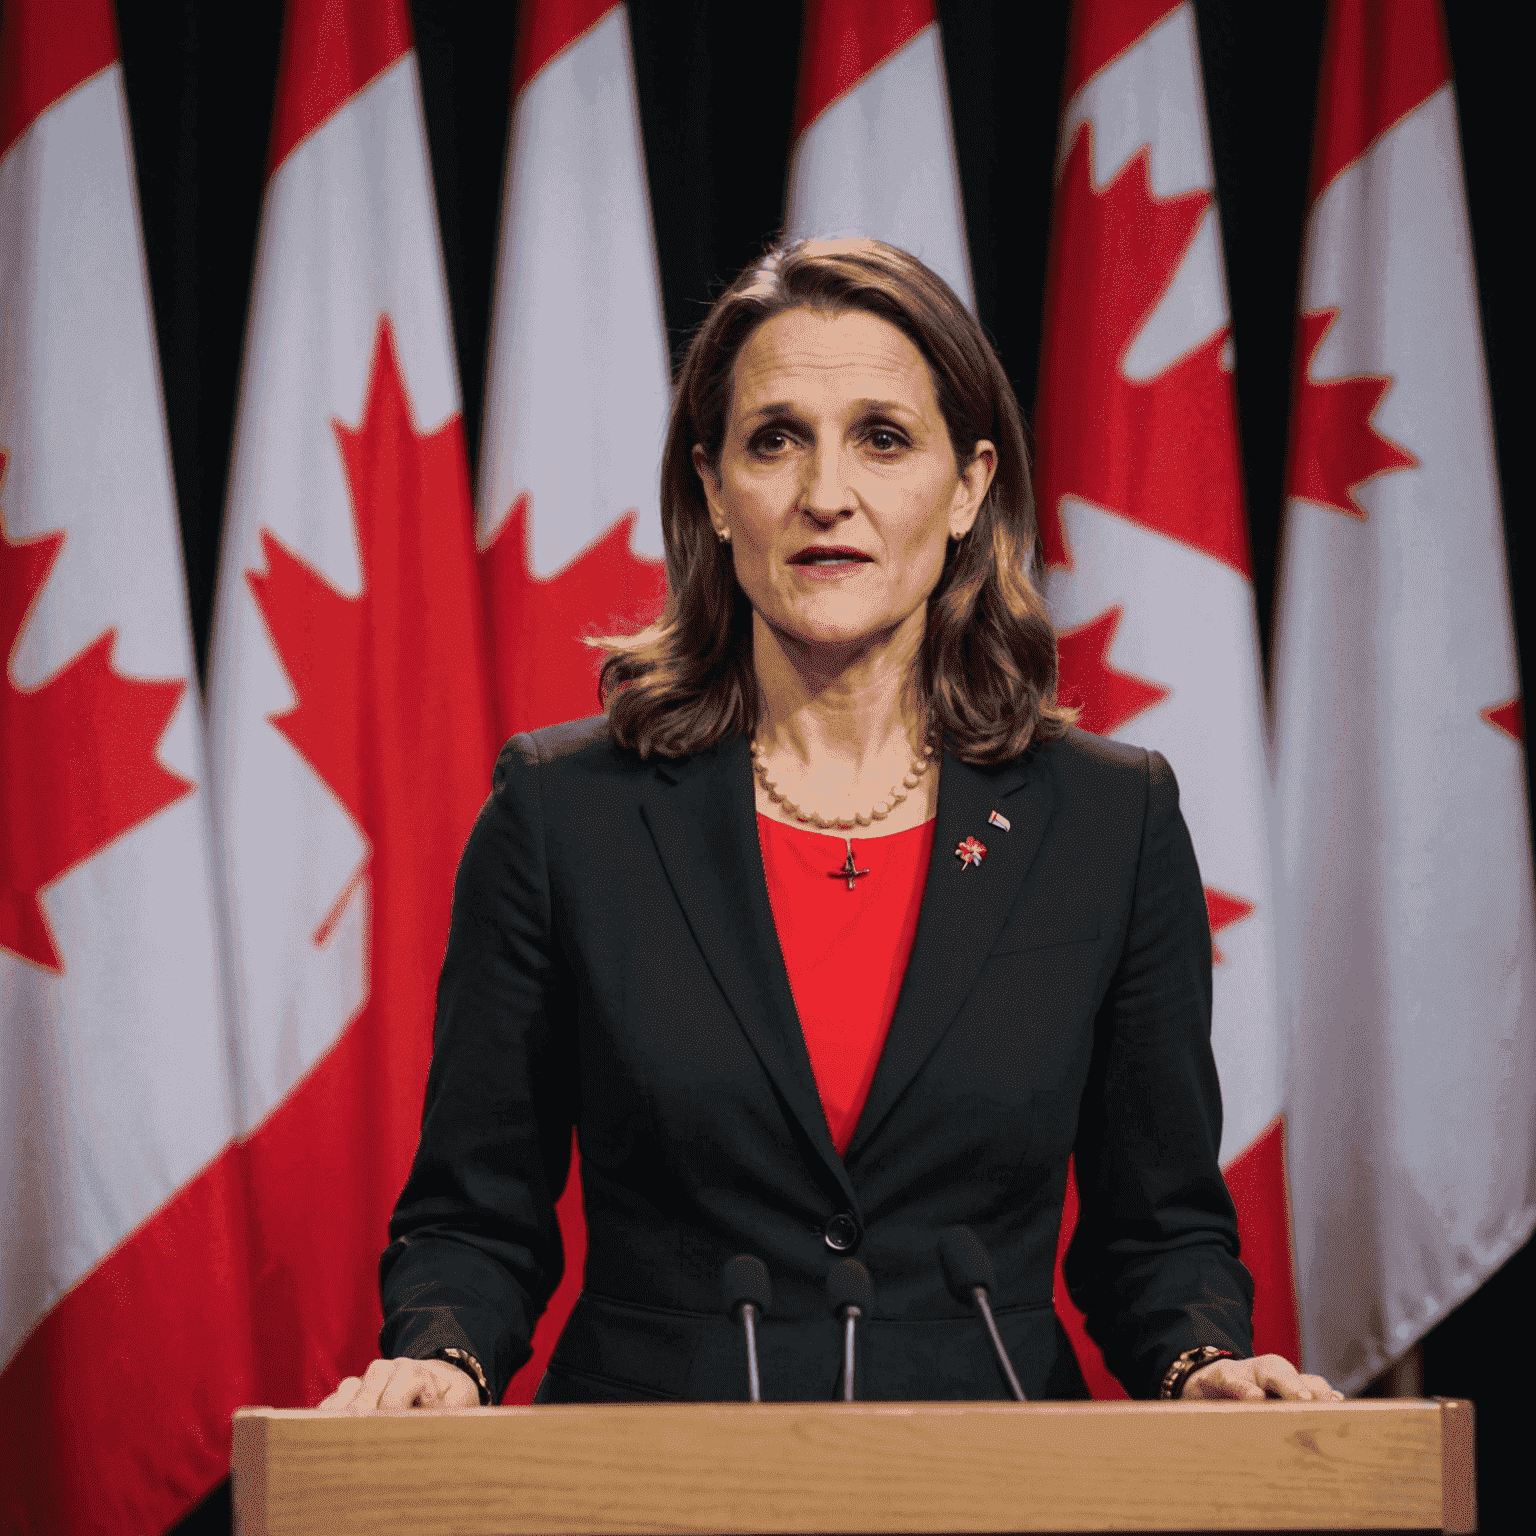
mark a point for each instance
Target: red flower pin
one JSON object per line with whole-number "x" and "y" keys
{"x": 971, "y": 852}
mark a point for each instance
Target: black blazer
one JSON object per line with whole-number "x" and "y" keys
{"x": 613, "y": 965}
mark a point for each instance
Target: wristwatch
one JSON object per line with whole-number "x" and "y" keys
{"x": 1185, "y": 1365}
{"x": 467, "y": 1363}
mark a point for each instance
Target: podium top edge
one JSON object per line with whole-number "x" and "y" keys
{"x": 937, "y": 1410}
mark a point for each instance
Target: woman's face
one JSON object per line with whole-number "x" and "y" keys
{"x": 837, "y": 481}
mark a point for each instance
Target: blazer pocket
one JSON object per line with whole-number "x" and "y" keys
{"x": 620, "y": 1347}
{"x": 568, "y": 1386}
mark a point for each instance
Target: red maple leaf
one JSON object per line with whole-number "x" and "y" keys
{"x": 1161, "y": 452}
{"x": 1508, "y": 717}
{"x": 1107, "y": 697}
{"x": 1223, "y": 910}
{"x": 391, "y": 708}
{"x": 1335, "y": 445}
{"x": 544, "y": 673}
{"x": 77, "y": 755}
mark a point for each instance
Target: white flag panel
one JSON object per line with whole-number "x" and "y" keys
{"x": 1405, "y": 849}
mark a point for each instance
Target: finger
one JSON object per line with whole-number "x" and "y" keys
{"x": 409, "y": 1386}
{"x": 345, "y": 1391}
{"x": 375, "y": 1379}
{"x": 1281, "y": 1379}
{"x": 1195, "y": 1386}
{"x": 451, "y": 1387}
{"x": 1243, "y": 1379}
{"x": 1284, "y": 1381}
{"x": 461, "y": 1392}
{"x": 1322, "y": 1389}
{"x": 1224, "y": 1380}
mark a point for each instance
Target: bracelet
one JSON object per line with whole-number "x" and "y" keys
{"x": 467, "y": 1363}
{"x": 1185, "y": 1365}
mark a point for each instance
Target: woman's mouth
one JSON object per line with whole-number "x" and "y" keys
{"x": 824, "y": 557}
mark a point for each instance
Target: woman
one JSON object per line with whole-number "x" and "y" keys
{"x": 830, "y": 935}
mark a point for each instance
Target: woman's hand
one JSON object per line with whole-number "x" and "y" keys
{"x": 404, "y": 1384}
{"x": 1256, "y": 1379}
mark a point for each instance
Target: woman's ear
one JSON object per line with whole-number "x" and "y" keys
{"x": 711, "y": 483}
{"x": 975, "y": 481}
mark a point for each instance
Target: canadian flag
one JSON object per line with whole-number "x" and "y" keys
{"x": 349, "y": 708}
{"x": 874, "y": 150}
{"x": 1145, "y": 540}
{"x": 1404, "y": 852}
{"x": 577, "y": 396}
{"x": 123, "y": 1316}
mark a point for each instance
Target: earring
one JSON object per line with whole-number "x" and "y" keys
{"x": 723, "y": 534}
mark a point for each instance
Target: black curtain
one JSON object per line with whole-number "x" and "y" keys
{"x": 716, "y": 84}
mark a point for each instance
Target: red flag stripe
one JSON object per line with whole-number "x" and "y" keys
{"x": 1101, "y": 33}
{"x": 46, "y": 50}
{"x": 1381, "y": 59}
{"x": 1102, "y": 1386}
{"x": 331, "y": 50}
{"x": 845, "y": 40}
{"x": 315, "y": 1312}
{"x": 157, "y": 1333}
{"x": 549, "y": 27}
{"x": 1257, "y": 1181}
{"x": 546, "y": 1333}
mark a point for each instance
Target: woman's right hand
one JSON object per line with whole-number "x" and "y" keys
{"x": 404, "y": 1384}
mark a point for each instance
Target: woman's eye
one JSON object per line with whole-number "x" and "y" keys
{"x": 770, "y": 442}
{"x": 884, "y": 440}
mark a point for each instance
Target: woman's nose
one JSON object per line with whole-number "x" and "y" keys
{"x": 827, "y": 494}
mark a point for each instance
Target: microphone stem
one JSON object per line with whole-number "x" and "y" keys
{"x": 850, "y": 1319}
{"x": 749, "y": 1323}
{"x": 980, "y": 1293}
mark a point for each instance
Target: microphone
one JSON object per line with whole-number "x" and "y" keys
{"x": 969, "y": 1275}
{"x": 746, "y": 1287}
{"x": 853, "y": 1294}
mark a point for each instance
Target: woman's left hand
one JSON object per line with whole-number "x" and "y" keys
{"x": 1256, "y": 1379}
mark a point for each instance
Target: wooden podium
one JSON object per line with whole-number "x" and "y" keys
{"x": 652, "y": 1469}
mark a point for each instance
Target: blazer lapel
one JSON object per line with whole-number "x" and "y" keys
{"x": 963, "y": 911}
{"x": 703, "y": 817}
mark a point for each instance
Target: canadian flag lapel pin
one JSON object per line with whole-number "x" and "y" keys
{"x": 971, "y": 852}
{"x": 997, "y": 819}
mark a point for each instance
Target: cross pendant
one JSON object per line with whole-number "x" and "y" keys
{"x": 848, "y": 872}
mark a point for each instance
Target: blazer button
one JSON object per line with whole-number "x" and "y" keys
{"x": 841, "y": 1232}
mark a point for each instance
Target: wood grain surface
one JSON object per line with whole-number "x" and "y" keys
{"x": 665, "y": 1469}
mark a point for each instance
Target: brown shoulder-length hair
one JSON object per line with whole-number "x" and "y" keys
{"x": 986, "y": 672}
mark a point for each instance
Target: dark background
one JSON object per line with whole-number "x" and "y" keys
{"x": 716, "y": 85}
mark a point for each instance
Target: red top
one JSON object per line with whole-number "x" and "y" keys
{"x": 846, "y": 951}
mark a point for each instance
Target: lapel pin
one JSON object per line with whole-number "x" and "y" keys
{"x": 971, "y": 852}
{"x": 997, "y": 819}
